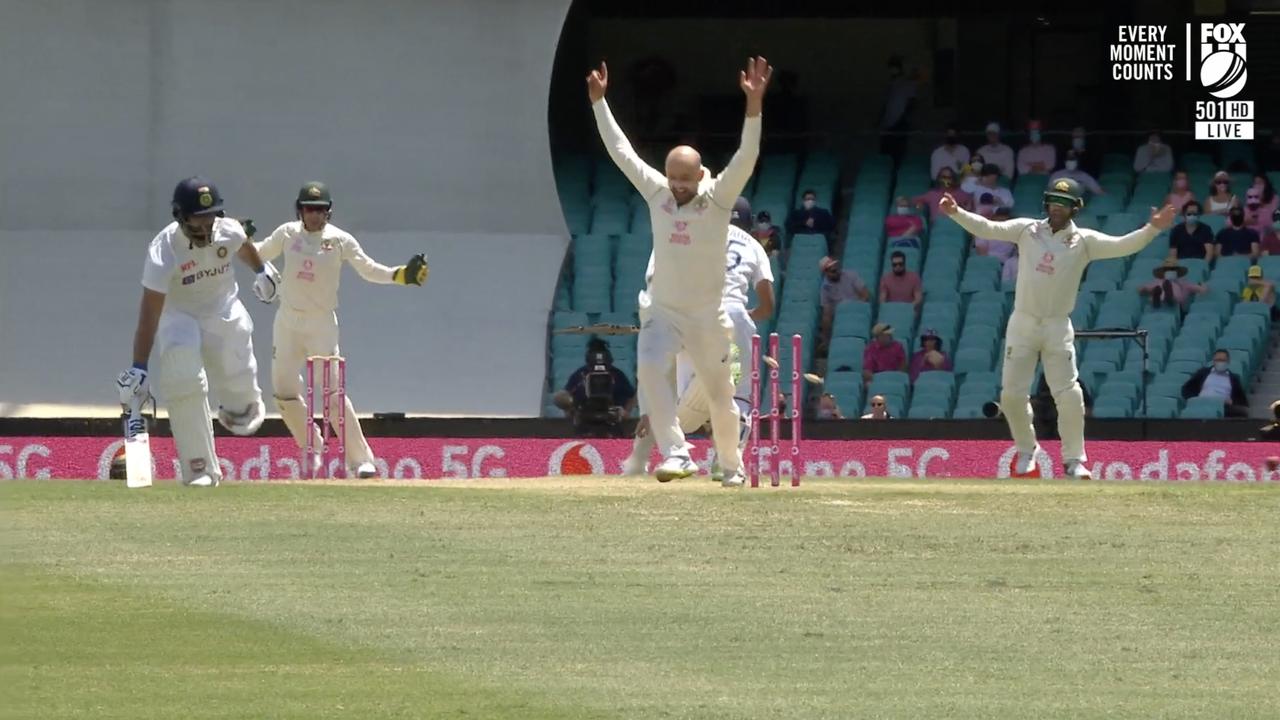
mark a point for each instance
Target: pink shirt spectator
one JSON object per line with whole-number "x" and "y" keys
{"x": 848, "y": 287}
{"x": 1178, "y": 199}
{"x": 1270, "y": 244}
{"x": 918, "y": 364}
{"x": 882, "y": 358}
{"x": 899, "y": 288}
{"x": 930, "y": 200}
{"x": 903, "y": 226}
{"x": 1182, "y": 289}
{"x": 996, "y": 248}
{"x": 1259, "y": 218}
{"x": 1038, "y": 153}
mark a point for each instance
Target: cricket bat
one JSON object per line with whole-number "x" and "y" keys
{"x": 137, "y": 450}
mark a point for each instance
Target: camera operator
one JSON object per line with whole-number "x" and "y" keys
{"x": 598, "y": 396}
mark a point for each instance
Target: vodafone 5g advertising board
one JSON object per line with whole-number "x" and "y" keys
{"x": 267, "y": 459}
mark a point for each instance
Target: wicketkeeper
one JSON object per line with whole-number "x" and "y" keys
{"x": 307, "y": 322}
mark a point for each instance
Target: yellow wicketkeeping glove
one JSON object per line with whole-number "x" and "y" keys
{"x": 414, "y": 272}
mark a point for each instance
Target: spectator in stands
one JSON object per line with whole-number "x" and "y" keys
{"x": 837, "y": 286}
{"x": 809, "y": 218}
{"x": 1079, "y": 143}
{"x": 1191, "y": 239}
{"x": 900, "y": 102}
{"x": 1170, "y": 288}
{"x": 1259, "y": 289}
{"x": 1180, "y": 192}
{"x": 883, "y": 353}
{"x": 828, "y": 409}
{"x": 997, "y": 153}
{"x": 767, "y": 233}
{"x": 879, "y": 409}
{"x": 930, "y": 355}
{"x": 1260, "y": 203}
{"x": 1220, "y": 199}
{"x": 1270, "y": 242}
{"x": 1071, "y": 169}
{"x": 950, "y": 154}
{"x": 901, "y": 284}
{"x": 1000, "y": 249}
{"x": 903, "y": 224}
{"x": 1235, "y": 238}
{"x": 944, "y": 183}
{"x": 1217, "y": 381}
{"x": 989, "y": 183}
{"x": 969, "y": 172}
{"x": 1036, "y": 157}
{"x": 1153, "y": 156}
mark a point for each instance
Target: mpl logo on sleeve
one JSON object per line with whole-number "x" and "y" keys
{"x": 1221, "y": 63}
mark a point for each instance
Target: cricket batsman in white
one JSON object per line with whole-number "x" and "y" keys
{"x": 1053, "y": 253}
{"x": 689, "y": 211}
{"x": 191, "y": 314}
{"x": 307, "y": 322}
{"x": 746, "y": 266}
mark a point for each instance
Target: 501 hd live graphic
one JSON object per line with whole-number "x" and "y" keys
{"x": 1216, "y": 58}
{"x": 1219, "y": 52}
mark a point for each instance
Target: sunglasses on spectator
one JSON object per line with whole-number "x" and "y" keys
{"x": 1221, "y": 182}
{"x": 877, "y": 404}
{"x": 898, "y": 264}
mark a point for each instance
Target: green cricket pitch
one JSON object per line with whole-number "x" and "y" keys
{"x": 611, "y": 598}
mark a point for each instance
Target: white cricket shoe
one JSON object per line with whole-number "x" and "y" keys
{"x": 736, "y": 480}
{"x": 203, "y": 481}
{"x": 1025, "y": 464}
{"x": 366, "y": 470}
{"x": 675, "y": 468}
{"x": 1077, "y": 470}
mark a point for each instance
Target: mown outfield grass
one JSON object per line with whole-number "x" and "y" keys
{"x": 604, "y": 598}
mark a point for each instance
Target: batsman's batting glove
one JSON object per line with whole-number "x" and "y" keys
{"x": 414, "y": 272}
{"x": 249, "y": 228}
{"x": 133, "y": 387}
{"x": 266, "y": 285}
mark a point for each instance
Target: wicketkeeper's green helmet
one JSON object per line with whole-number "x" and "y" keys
{"x": 1065, "y": 191}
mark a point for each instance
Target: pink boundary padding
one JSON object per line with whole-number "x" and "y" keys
{"x": 258, "y": 459}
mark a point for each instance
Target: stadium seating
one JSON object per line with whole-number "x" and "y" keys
{"x": 966, "y": 302}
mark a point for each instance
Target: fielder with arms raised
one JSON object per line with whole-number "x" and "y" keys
{"x": 746, "y": 266}
{"x": 200, "y": 331}
{"x": 307, "y": 322}
{"x": 1053, "y": 253}
{"x": 689, "y": 211}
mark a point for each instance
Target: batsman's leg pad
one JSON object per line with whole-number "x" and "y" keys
{"x": 183, "y": 386}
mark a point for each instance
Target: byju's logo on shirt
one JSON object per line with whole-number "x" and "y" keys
{"x": 211, "y": 272}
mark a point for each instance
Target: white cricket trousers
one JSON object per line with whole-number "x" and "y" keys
{"x": 297, "y": 335}
{"x": 693, "y": 406}
{"x": 706, "y": 338}
{"x": 196, "y": 354}
{"x": 1052, "y": 342}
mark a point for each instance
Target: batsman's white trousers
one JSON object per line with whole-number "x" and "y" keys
{"x": 693, "y": 398}
{"x": 1052, "y": 341}
{"x": 706, "y": 338}
{"x": 223, "y": 343}
{"x": 297, "y": 335}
